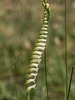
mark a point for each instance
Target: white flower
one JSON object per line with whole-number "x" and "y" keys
{"x": 31, "y": 87}
{"x": 30, "y": 80}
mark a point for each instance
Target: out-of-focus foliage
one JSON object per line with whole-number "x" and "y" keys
{"x": 20, "y": 23}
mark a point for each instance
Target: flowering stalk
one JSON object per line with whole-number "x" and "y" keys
{"x": 38, "y": 51}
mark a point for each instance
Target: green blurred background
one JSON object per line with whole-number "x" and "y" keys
{"x": 20, "y": 23}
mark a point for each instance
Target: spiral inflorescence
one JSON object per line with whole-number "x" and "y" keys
{"x": 38, "y": 50}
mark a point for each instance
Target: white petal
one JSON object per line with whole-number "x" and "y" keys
{"x": 41, "y": 36}
{"x": 41, "y": 44}
{"x": 30, "y": 80}
{"x": 32, "y": 74}
{"x": 45, "y": 29}
{"x": 33, "y": 64}
{"x": 35, "y": 60}
{"x": 31, "y": 87}
{"x": 37, "y": 52}
{"x": 45, "y": 25}
{"x": 41, "y": 48}
{"x": 45, "y": 22}
{"x": 45, "y": 18}
{"x": 43, "y": 40}
{"x": 33, "y": 69}
{"x": 36, "y": 56}
{"x": 43, "y": 32}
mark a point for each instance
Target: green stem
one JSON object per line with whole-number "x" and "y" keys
{"x": 70, "y": 83}
{"x": 28, "y": 95}
{"x": 44, "y": 1}
{"x": 46, "y": 72}
{"x": 66, "y": 50}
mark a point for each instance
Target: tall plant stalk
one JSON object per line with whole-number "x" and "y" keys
{"x": 28, "y": 95}
{"x": 46, "y": 66}
{"x": 38, "y": 51}
{"x": 46, "y": 73}
{"x": 70, "y": 84}
{"x": 66, "y": 50}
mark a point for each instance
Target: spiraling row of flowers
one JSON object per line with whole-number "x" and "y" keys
{"x": 38, "y": 51}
